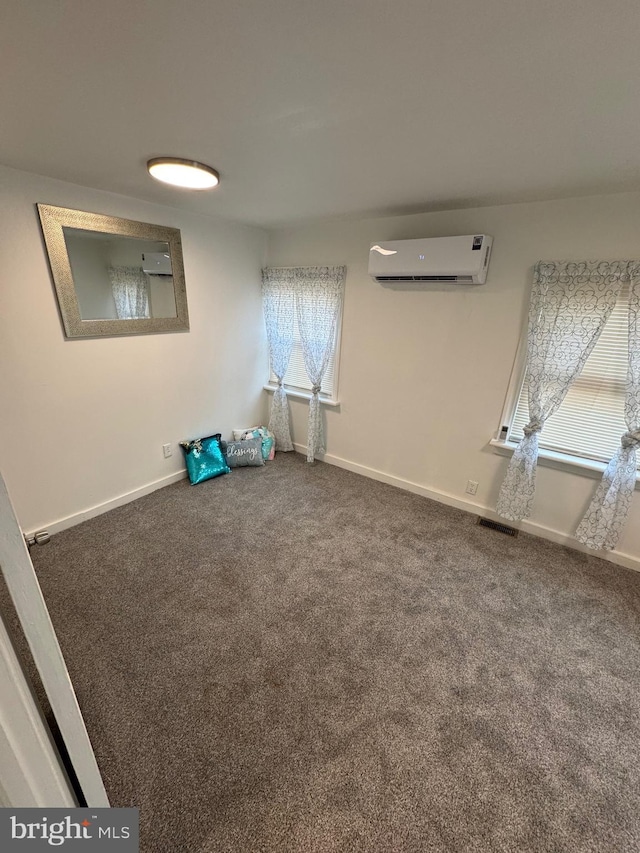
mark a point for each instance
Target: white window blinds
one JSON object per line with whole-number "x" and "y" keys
{"x": 296, "y": 375}
{"x": 590, "y": 420}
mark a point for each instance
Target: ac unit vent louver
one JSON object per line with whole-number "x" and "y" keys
{"x": 461, "y": 278}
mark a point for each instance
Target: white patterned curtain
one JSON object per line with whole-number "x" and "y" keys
{"x": 130, "y": 292}
{"x": 570, "y": 304}
{"x": 278, "y": 300}
{"x": 604, "y": 520}
{"x": 319, "y": 292}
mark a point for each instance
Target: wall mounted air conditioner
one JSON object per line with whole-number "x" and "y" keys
{"x": 156, "y": 263}
{"x": 455, "y": 260}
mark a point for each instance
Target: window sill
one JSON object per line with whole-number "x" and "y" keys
{"x": 303, "y": 395}
{"x": 561, "y": 461}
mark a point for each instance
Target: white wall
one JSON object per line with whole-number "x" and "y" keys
{"x": 89, "y": 261}
{"x": 83, "y": 421}
{"x": 424, "y": 372}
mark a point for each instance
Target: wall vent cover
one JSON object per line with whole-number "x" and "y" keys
{"x": 495, "y": 525}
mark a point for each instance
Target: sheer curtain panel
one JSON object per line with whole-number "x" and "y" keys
{"x": 319, "y": 293}
{"x": 604, "y": 520}
{"x": 130, "y": 292}
{"x": 570, "y": 304}
{"x": 278, "y": 299}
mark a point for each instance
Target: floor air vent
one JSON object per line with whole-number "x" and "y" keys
{"x": 495, "y": 525}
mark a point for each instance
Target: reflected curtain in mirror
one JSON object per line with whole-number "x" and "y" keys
{"x": 130, "y": 292}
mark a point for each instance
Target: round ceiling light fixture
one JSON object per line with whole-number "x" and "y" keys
{"x": 183, "y": 173}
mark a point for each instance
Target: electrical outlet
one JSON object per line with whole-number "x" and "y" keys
{"x": 472, "y": 487}
{"x": 166, "y": 449}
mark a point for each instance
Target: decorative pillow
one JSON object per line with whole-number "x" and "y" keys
{"x": 268, "y": 442}
{"x": 243, "y": 453}
{"x": 268, "y": 439}
{"x": 239, "y": 434}
{"x": 204, "y": 458}
{"x": 268, "y": 447}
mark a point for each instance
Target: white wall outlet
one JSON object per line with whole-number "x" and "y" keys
{"x": 166, "y": 449}
{"x": 472, "y": 487}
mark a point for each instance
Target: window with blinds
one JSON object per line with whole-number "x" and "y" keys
{"x": 296, "y": 376}
{"x": 590, "y": 420}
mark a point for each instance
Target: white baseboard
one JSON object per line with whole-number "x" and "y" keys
{"x": 119, "y": 500}
{"x": 617, "y": 557}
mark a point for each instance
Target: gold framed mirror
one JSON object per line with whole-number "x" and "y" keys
{"x": 114, "y": 276}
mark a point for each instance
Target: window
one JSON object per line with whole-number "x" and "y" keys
{"x": 590, "y": 420}
{"x": 296, "y": 379}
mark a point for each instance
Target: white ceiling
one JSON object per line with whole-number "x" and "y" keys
{"x": 318, "y": 108}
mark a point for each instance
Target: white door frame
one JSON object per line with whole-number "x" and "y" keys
{"x": 25, "y": 592}
{"x": 31, "y": 773}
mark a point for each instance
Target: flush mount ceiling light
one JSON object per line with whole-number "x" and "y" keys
{"x": 183, "y": 173}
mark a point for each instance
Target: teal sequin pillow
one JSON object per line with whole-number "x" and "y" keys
{"x": 204, "y": 458}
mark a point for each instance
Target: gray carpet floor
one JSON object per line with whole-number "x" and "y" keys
{"x": 295, "y": 658}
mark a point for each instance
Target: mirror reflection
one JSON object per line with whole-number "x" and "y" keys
{"x": 120, "y": 278}
{"x": 114, "y": 276}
